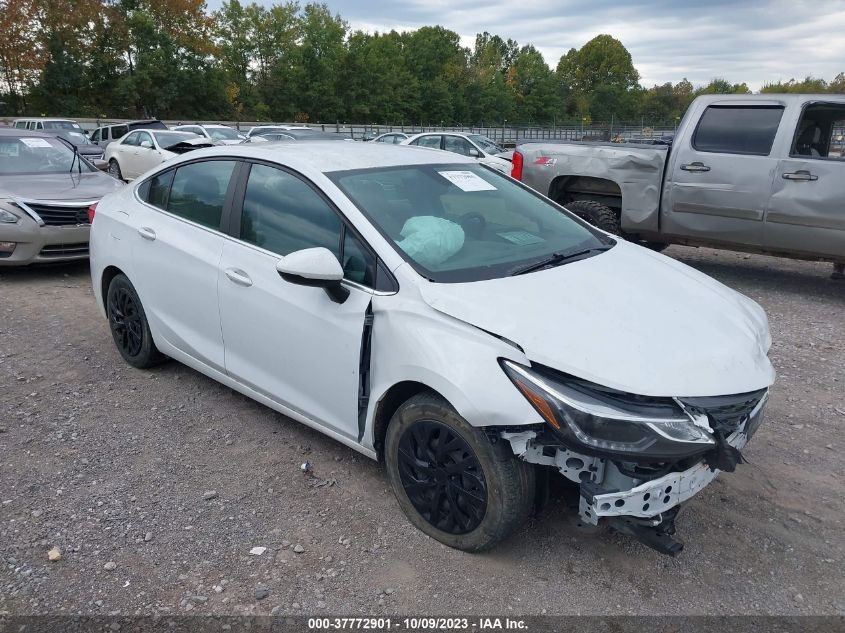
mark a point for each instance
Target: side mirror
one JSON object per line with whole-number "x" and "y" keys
{"x": 100, "y": 164}
{"x": 474, "y": 152}
{"x": 146, "y": 144}
{"x": 315, "y": 267}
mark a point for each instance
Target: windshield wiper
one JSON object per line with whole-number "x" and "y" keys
{"x": 556, "y": 259}
{"x": 75, "y": 159}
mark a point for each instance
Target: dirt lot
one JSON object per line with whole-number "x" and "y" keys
{"x": 155, "y": 486}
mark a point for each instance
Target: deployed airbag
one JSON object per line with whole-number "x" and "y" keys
{"x": 430, "y": 240}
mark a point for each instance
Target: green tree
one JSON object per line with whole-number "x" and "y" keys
{"x": 598, "y": 78}
{"x": 534, "y": 85}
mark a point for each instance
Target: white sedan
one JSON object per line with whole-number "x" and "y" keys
{"x": 433, "y": 313}
{"x": 473, "y": 145}
{"x": 141, "y": 150}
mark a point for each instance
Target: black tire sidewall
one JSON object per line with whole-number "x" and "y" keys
{"x": 497, "y": 465}
{"x": 119, "y": 174}
{"x": 149, "y": 354}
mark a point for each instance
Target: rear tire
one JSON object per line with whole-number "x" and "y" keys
{"x": 451, "y": 481}
{"x": 114, "y": 169}
{"x": 597, "y": 214}
{"x": 129, "y": 327}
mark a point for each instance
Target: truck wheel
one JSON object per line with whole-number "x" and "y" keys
{"x": 450, "y": 480}
{"x": 597, "y": 214}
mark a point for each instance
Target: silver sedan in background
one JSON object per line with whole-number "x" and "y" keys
{"x": 46, "y": 191}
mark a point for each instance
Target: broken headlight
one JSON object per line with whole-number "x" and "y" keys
{"x": 595, "y": 420}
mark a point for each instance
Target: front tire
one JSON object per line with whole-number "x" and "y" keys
{"x": 451, "y": 481}
{"x": 129, "y": 327}
{"x": 597, "y": 214}
{"x": 114, "y": 169}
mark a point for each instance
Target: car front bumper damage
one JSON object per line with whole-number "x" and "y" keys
{"x": 642, "y": 508}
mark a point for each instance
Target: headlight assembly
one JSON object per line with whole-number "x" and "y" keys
{"x": 600, "y": 421}
{"x": 7, "y": 217}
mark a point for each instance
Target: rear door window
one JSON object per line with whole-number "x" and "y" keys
{"x": 198, "y": 192}
{"x": 737, "y": 129}
{"x": 432, "y": 141}
{"x": 457, "y": 145}
{"x": 119, "y": 130}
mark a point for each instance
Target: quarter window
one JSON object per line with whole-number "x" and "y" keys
{"x": 738, "y": 129}
{"x": 156, "y": 190}
{"x": 199, "y": 190}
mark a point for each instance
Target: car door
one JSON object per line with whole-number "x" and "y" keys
{"x": 721, "y": 175}
{"x": 176, "y": 253}
{"x": 123, "y": 151}
{"x": 145, "y": 154}
{"x": 292, "y": 343}
{"x": 806, "y": 212}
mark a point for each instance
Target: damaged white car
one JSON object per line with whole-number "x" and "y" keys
{"x": 442, "y": 317}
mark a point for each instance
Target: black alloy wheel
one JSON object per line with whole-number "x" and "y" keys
{"x": 442, "y": 477}
{"x": 126, "y": 322}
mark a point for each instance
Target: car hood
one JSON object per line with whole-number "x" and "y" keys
{"x": 628, "y": 318}
{"x": 58, "y": 187}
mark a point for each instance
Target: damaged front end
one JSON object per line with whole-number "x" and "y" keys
{"x": 635, "y": 458}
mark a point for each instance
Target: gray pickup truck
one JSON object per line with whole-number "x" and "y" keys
{"x": 756, "y": 173}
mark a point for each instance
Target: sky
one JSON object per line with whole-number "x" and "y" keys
{"x": 752, "y": 41}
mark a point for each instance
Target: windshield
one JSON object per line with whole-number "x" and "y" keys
{"x": 486, "y": 144}
{"x": 77, "y": 138}
{"x": 167, "y": 139}
{"x": 31, "y": 154}
{"x": 223, "y": 133}
{"x": 464, "y": 222}
{"x": 62, "y": 125}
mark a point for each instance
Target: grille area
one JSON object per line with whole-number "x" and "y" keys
{"x": 60, "y": 216}
{"x": 65, "y": 250}
{"x": 727, "y": 413}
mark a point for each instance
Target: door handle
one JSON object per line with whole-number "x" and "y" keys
{"x": 801, "y": 174}
{"x": 695, "y": 167}
{"x": 147, "y": 233}
{"x": 239, "y": 277}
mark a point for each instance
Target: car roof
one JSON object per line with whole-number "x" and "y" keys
{"x": 45, "y": 118}
{"x": 329, "y": 156}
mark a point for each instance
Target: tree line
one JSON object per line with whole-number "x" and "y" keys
{"x": 174, "y": 59}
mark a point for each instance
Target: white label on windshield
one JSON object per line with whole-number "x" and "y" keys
{"x": 467, "y": 180}
{"x": 523, "y": 238}
{"x": 35, "y": 142}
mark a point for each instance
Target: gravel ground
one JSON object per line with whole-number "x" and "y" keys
{"x": 156, "y": 486}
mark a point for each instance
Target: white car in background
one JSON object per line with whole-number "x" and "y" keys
{"x": 431, "y": 312}
{"x": 271, "y": 129}
{"x": 141, "y": 150}
{"x": 473, "y": 145}
{"x": 219, "y": 134}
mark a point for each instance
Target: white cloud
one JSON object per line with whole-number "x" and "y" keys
{"x": 755, "y": 41}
